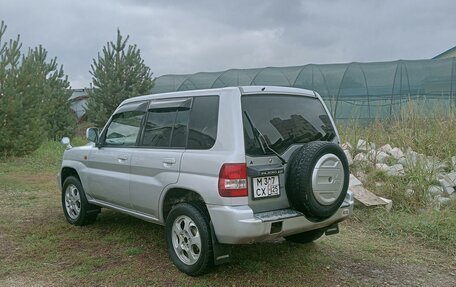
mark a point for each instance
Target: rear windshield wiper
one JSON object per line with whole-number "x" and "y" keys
{"x": 262, "y": 140}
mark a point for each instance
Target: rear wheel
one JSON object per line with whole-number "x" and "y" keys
{"x": 76, "y": 208}
{"x": 189, "y": 239}
{"x": 305, "y": 237}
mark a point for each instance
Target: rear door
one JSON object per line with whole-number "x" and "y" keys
{"x": 108, "y": 179}
{"x": 286, "y": 122}
{"x": 156, "y": 162}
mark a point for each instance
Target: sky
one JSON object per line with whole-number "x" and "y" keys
{"x": 181, "y": 37}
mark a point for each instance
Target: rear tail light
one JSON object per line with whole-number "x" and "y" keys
{"x": 233, "y": 180}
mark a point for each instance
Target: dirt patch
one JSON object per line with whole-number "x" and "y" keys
{"x": 35, "y": 178}
{"x": 395, "y": 274}
{"x": 38, "y": 248}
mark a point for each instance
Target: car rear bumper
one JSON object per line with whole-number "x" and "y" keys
{"x": 239, "y": 225}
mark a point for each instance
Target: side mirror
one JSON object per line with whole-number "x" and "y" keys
{"x": 92, "y": 135}
{"x": 66, "y": 141}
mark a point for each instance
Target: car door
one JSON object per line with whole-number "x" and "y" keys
{"x": 109, "y": 177}
{"x": 156, "y": 162}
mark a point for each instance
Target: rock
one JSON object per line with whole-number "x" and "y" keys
{"x": 433, "y": 164}
{"x": 396, "y": 153}
{"x": 361, "y": 157}
{"x": 441, "y": 201}
{"x": 440, "y": 175}
{"x": 447, "y": 187}
{"x": 441, "y": 167}
{"x": 453, "y": 162}
{"x": 411, "y": 158}
{"x": 451, "y": 178}
{"x": 349, "y": 156}
{"x": 371, "y": 154}
{"x": 385, "y": 148}
{"x": 364, "y": 145}
{"x": 347, "y": 146}
{"x": 377, "y": 156}
{"x": 409, "y": 191}
{"x": 361, "y": 176}
{"x": 395, "y": 170}
{"x": 435, "y": 190}
{"x": 389, "y": 203}
{"x": 354, "y": 181}
{"x": 381, "y": 156}
{"x": 382, "y": 166}
{"x": 379, "y": 184}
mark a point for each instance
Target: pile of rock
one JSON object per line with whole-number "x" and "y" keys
{"x": 396, "y": 162}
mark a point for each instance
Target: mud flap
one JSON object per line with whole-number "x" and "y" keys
{"x": 222, "y": 252}
{"x": 332, "y": 229}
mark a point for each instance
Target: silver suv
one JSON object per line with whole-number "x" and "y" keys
{"x": 216, "y": 167}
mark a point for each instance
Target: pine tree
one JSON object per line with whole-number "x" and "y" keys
{"x": 20, "y": 126}
{"x": 33, "y": 98}
{"x": 118, "y": 73}
{"x": 54, "y": 93}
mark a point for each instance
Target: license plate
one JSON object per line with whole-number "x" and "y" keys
{"x": 266, "y": 186}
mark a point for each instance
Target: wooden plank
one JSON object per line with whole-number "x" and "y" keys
{"x": 365, "y": 196}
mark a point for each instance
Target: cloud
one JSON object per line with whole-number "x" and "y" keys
{"x": 193, "y": 36}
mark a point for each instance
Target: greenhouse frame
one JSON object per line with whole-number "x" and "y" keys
{"x": 354, "y": 90}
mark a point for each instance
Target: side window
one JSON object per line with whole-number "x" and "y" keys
{"x": 179, "y": 138}
{"x": 166, "y": 128}
{"x": 203, "y": 122}
{"x": 124, "y": 128}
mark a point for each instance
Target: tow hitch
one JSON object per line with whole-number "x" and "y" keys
{"x": 332, "y": 229}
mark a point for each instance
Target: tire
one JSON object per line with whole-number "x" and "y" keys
{"x": 189, "y": 254}
{"x": 313, "y": 197}
{"x": 77, "y": 210}
{"x": 305, "y": 237}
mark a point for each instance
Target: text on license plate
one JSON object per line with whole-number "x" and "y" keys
{"x": 266, "y": 186}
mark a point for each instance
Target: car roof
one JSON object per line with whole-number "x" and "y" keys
{"x": 243, "y": 89}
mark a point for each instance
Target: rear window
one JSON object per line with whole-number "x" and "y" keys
{"x": 203, "y": 122}
{"x": 284, "y": 120}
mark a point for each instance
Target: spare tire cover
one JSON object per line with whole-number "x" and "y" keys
{"x": 317, "y": 179}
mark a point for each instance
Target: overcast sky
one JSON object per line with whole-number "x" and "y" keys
{"x": 178, "y": 37}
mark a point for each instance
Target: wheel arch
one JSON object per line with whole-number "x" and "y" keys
{"x": 67, "y": 171}
{"x": 178, "y": 195}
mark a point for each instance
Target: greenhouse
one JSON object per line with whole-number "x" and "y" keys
{"x": 351, "y": 91}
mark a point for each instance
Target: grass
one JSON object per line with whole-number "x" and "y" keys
{"x": 38, "y": 247}
{"x": 430, "y": 132}
{"x": 428, "y": 227}
{"x": 414, "y": 216}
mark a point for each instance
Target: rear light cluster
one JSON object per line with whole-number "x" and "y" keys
{"x": 233, "y": 180}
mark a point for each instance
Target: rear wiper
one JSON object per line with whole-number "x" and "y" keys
{"x": 262, "y": 140}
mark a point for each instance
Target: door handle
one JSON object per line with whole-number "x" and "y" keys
{"x": 122, "y": 157}
{"x": 169, "y": 160}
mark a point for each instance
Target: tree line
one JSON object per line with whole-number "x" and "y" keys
{"x": 34, "y": 91}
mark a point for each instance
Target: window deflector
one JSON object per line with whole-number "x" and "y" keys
{"x": 129, "y": 107}
{"x": 178, "y": 103}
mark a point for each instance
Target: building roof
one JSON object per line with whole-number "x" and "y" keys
{"x": 447, "y": 54}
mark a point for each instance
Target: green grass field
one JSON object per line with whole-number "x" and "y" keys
{"x": 408, "y": 246}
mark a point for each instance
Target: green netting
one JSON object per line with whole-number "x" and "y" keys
{"x": 351, "y": 91}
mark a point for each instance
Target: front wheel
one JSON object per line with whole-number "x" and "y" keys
{"x": 189, "y": 239}
{"x": 77, "y": 210}
{"x": 305, "y": 237}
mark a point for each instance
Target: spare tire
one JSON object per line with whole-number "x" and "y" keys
{"x": 317, "y": 179}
